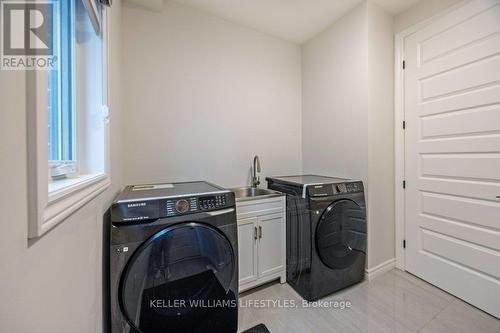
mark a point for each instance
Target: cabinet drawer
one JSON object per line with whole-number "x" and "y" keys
{"x": 251, "y": 208}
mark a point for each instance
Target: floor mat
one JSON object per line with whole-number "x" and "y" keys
{"x": 261, "y": 328}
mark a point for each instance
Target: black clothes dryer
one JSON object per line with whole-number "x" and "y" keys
{"x": 173, "y": 259}
{"x": 326, "y": 233}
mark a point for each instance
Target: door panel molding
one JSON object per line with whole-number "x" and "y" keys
{"x": 399, "y": 134}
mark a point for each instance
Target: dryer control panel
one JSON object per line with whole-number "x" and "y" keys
{"x": 326, "y": 190}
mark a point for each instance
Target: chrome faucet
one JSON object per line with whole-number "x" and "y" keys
{"x": 256, "y": 168}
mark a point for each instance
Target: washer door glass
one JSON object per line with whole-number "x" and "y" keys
{"x": 341, "y": 234}
{"x": 178, "y": 280}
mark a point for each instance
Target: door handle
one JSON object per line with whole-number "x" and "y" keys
{"x": 255, "y": 233}
{"x": 498, "y": 196}
{"x": 260, "y": 231}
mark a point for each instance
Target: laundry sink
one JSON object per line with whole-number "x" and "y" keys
{"x": 253, "y": 193}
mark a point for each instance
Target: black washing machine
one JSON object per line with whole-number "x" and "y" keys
{"x": 326, "y": 233}
{"x": 173, "y": 259}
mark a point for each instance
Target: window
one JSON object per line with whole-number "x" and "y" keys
{"x": 60, "y": 108}
{"x": 69, "y": 123}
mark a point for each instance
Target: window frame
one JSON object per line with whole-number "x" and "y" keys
{"x": 49, "y": 207}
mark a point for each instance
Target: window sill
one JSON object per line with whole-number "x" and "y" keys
{"x": 68, "y": 195}
{"x": 63, "y": 187}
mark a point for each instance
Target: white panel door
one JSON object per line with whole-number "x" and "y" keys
{"x": 452, "y": 153}
{"x": 271, "y": 244}
{"x": 247, "y": 250}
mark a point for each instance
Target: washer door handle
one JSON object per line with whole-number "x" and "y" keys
{"x": 219, "y": 212}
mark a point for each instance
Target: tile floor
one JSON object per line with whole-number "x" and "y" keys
{"x": 393, "y": 302}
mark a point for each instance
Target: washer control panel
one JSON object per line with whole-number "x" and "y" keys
{"x": 146, "y": 203}
{"x": 212, "y": 202}
{"x": 181, "y": 206}
{"x": 190, "y": 205}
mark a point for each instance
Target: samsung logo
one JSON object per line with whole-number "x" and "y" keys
{"x": 138, "y": 204}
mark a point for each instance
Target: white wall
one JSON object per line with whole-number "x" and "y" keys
{"x": 202, "y": 96}
{"x": 334, "y": 99}
{"x": 421, "y": 11}
{"x": 188, "y": 76}
{"x": 347, "y": 114}
{"x": 53, "y": 284}
{"x": 380, "y": 192}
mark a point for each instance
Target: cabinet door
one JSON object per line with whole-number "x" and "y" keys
{"x": 271, "y": 244}
{"x": 247, "y": 250}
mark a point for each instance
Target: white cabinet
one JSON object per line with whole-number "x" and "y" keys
{"x": 270, "y": 246}
{"x": 247, "y": 251}
{"x": 261, "y": 241}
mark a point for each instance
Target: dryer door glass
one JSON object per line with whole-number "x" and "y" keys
{"x": 341, "y": 234}
{"x": 178, "y": 281}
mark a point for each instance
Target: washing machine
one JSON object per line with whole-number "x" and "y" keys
{"x": 326, "y": 233}
{"x": 173, "y": 259}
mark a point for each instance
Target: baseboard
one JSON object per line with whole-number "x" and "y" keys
{"x": 371, "y": 273}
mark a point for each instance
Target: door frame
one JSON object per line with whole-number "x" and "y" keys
{"x": 399, "y": 132}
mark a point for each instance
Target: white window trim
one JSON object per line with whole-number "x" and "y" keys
{"x": 48, "y": 209}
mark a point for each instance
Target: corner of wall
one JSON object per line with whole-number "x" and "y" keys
{"x": 380, "y": 209}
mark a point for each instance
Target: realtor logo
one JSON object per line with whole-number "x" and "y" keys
{"x": 27, "y": 34}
